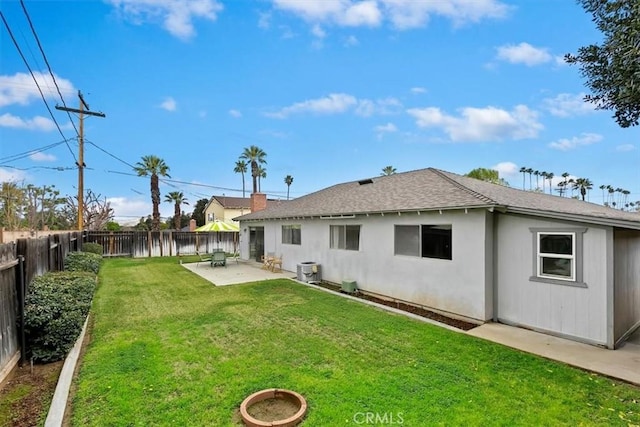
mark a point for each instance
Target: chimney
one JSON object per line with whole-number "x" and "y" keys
{"x": 192, "y": 224}
{"x": 258, "y": 202}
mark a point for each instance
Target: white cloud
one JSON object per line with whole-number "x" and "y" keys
{"x": 235, "y": 113}
{"x": 176, "y": 15}
{"x": 264, "y": 20}
{"x": 524, "y": 53}
{"x": 125, "y": 209}
{"x": 339, "y": 103}
{"x": 625, "y": 148}
{"x": 21, "y": 89}
{"x": 402, "y": 14}
{"x": 481, "y": 124}
{"x": 418, "y": 90}
{"x": 368, "y": 107}
{"x": 567, "y": 105}
{"x": 566, "y": 144}
{"x": 383, "y": 129}
{"x": 318, "y": 32}
{"x": 506, "y": 169}
{"x": 39, "y": 156}
{"x": 351, "y": 41}
{"x": 12, "y": 175}
{"x": 37, "y": 123}
{"x": 169, "y": 104}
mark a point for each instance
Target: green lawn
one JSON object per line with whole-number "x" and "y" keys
{"x": 168, "y": 348}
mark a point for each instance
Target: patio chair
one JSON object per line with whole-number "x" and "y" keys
{"x": 219, "y": 258}
{"x": 203, "y": 258}
{"x": 267, "y": 260}
{"x": 276, "y": 264}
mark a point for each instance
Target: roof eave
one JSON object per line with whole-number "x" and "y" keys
{"x": 619, "y": 223}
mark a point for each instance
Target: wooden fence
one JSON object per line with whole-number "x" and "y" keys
{"x": 140, "y": 244}
{"x": 20, "y": 262}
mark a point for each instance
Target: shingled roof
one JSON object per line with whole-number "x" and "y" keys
{"x": 433, "y": 189}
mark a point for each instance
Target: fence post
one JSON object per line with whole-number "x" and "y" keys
{"x": 21, "y": 297}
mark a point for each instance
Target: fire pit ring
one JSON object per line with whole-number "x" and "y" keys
{"x": 274, "y": 393}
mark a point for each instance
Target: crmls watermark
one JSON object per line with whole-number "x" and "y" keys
{"x": 387, "y": 418}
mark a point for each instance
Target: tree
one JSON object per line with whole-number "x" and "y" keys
{"x": 177, "y": 198}
{"x": 97, "y": 211}
{"x": 582, "y": 185}
{"x": 488, "y": 175}
{"x": 262, "y": 173}
{"x": 198, "y": 212}
{"x": 544, "y": 176}
{"x": 612, "y": 69}
{"x": 388, "y": 170}
{"x": 11, "y": 205}
{"x": 288, "y": 180}
{"x": 153, "y": 166}
{"x": 537, "y": 174}
{"x": 550, "y": 176}
{"x": 523, "y": 171}
{"x": 241, "y": 167}
{"x": 565, "y": 175}
{"x": 529, "y": 171}
{"x": 256, "y": 157}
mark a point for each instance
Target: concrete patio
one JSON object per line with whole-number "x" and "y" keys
{"x": 623, "y": 363}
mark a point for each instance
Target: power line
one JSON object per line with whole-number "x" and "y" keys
{"x": 35, "y": 35}
{"x": 15, "y": 43}
{"x": 109, "y": 154}
{"x": 28, "y": 153}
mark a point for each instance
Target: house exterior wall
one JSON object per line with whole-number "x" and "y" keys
{"x": 626, "y": 281}
{"x": 214, "y": 208}
{"x": 577, "y": 312}
{"x": 458, "y": 286}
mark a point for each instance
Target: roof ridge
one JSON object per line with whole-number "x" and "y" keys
{"x": 463, "y": 187}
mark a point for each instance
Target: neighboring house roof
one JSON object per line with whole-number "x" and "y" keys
{"x": 236, "y": 202}
{"x": 433, "y": 189}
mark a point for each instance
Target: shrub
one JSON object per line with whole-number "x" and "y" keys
{"x": 82, "y": 261}
{"x": 55, "y": 309}
{"x": 94, "y": 248}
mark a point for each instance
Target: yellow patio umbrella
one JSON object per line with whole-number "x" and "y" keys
{"x": 220, "y": 226}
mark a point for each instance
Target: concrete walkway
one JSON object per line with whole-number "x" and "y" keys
{"x": 623, "y": 363}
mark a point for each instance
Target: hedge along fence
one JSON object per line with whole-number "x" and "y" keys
{"x": 55, "y": 311}
{"x": 20, "y": 262}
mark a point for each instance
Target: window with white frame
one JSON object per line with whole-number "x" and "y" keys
{"x": 558, "y": 256}
{"x": 291, "y": 234}
{"x": 427, "y": 241}
{"x": 344, "y": 237}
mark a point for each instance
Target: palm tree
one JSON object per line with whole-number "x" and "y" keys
{"x": 610, "y": 191}
{"x": 602, "y": 187}
{"x": 583, "y": 185}
{"x": 523, "y": 171}
{"x": 544, "y": 176}
{"x": 388, "y": 170}
{"x": 537, "y": 174}
{"x": 153, "y": 166}
{"x": 288, "y": 180}
{"x": 255, "y": 156}
{"x": 625, "y": 194}
{"x": 550, "y": 176}
{"x": 565, "y": 175}
{"x": 177, "y": 198}
{"x": 241, "y": 167}
{"x": 529, "y": 171}
{"x": 262, "y": 173}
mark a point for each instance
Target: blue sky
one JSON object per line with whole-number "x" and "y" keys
{"x": 331, "y": 90}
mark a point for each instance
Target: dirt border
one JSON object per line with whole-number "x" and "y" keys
{"x": 402, "y": 306}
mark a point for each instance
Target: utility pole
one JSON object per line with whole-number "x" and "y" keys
{"x": 84, "y": 109}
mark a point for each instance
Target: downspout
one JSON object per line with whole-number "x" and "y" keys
{"x": 495, "y": 265}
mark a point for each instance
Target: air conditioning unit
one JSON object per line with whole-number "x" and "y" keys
{"x": 309, "y": 272}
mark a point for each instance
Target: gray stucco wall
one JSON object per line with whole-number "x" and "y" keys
{"x": 578, "y": 312}
{"x": 457, "y": 286}
{"x": 626, "y": 281}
